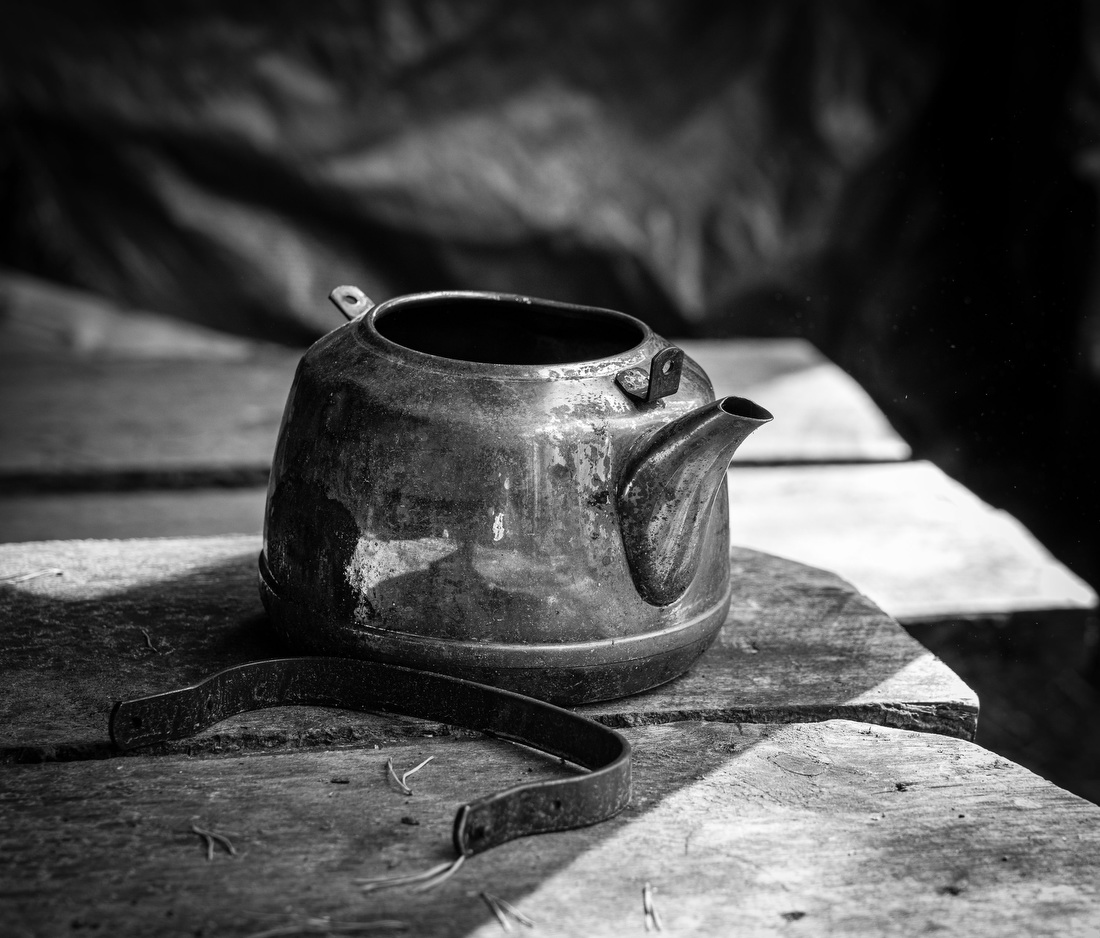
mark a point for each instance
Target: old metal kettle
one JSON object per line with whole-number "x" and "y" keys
{"x": 520, "y": 492}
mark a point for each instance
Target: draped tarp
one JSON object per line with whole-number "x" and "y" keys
{"x": 893, "y": 181}
{"x": 694, "y": 163}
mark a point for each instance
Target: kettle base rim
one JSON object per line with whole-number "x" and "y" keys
{"x": 564, "y": 674}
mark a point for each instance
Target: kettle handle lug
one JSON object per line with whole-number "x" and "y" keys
{"x": 351, "y": 301}
{"x": 662, "y": 379}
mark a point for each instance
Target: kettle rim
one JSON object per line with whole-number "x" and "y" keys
{"x": 368, "y": 335}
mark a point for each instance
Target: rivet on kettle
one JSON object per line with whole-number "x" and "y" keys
{"x": 662, "y": 379}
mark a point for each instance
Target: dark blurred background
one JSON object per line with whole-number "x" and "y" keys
{"x": 909, "y": 186}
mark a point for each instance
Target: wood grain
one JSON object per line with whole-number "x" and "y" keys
{"x": 1038, "y": 679}
{"x": 90, "y": 423}
{"x": 129, "y": 618}
{"x": 827, "y": 415}
{"x": 837, "y": 828}
{"x": 912, "y": 539}
{"x": 187, "y": 512}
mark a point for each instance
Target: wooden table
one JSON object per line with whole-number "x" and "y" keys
{"x": 812, "y": 771}
{"x": 812, "y": 774}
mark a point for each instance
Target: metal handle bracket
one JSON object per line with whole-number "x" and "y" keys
{"x": 662, "y": 379}
{"x": 353, "y": 684}
{"x": 351, "y": 301}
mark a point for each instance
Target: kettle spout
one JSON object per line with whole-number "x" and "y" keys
{"x": 669, "y": 488}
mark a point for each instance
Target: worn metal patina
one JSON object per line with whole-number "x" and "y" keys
{"x": 520, "y": 492}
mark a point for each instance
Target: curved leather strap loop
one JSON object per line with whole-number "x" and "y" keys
{"x": 352, "y": 684}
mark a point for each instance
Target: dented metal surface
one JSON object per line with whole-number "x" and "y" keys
{"x": 462, "y": 485}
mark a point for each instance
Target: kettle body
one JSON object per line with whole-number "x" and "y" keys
{"x": 449, "y": 487}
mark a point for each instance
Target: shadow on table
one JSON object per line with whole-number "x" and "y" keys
{"x": 800, "y": 646}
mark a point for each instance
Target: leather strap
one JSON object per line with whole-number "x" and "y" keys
{"x": 352, "y": 684}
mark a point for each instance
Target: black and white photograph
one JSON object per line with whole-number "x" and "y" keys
{"x": 578, "y": 468}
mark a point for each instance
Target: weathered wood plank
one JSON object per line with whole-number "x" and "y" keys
{"x": 827, "y": 416}
{"x": 1038, "y": 681}
{"x": 41, "y": 516}
{"x": 908, "y": 536}
{"x": 829, "y": 829}
{"x": 125, "y": 424}
{"x": 799, "y": 644}
{"x": 107, "y": 423}
{"x": 822, "y": 414}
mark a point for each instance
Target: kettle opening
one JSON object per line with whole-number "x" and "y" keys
{"x": 743, "y": 407}
{"x": 503, "y": 330}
